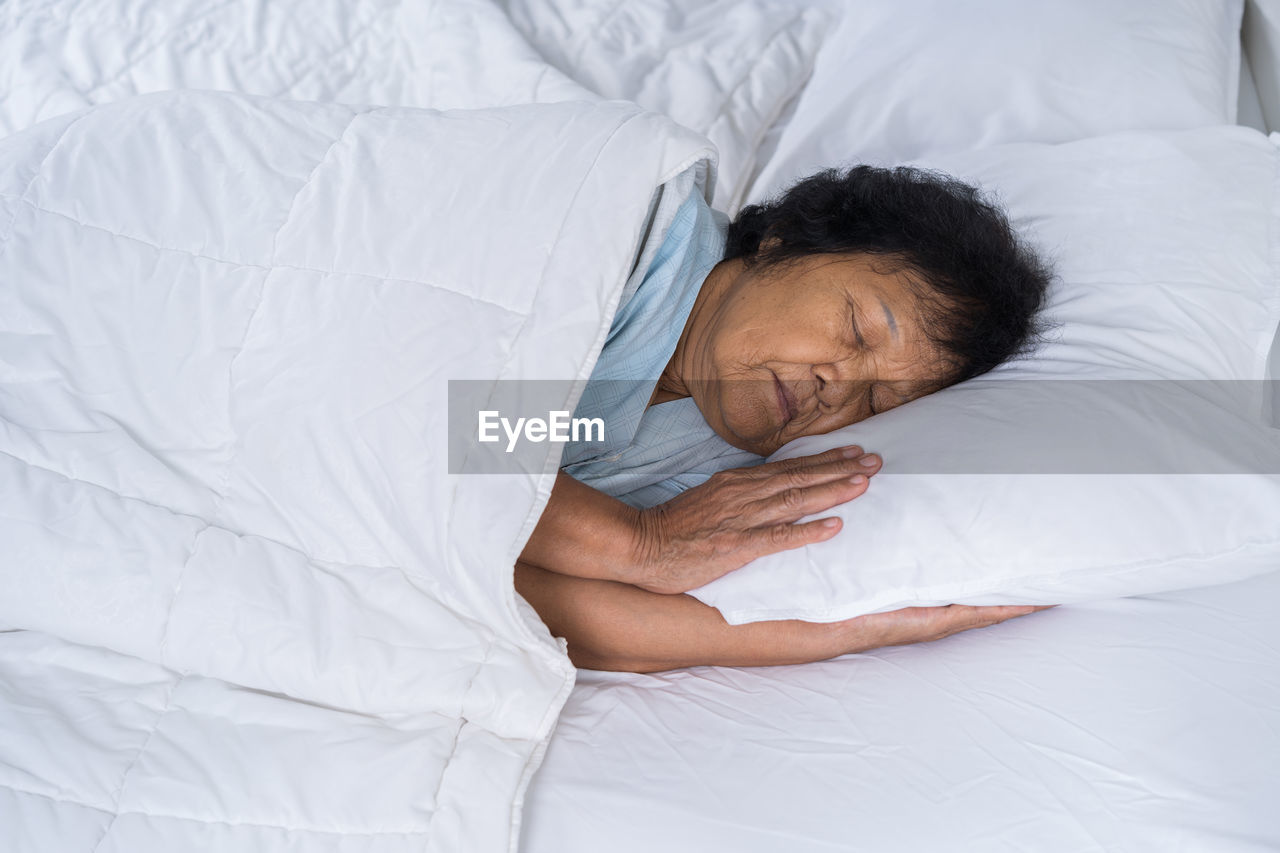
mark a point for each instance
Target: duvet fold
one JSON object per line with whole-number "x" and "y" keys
{"x": 227, "y": 326}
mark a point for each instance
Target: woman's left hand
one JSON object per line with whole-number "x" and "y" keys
{"x": 744, "y": 513}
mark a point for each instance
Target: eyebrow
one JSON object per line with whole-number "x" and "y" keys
{"x": 888, "y": 315}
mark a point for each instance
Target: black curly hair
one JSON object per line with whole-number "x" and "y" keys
{"x": 978, "y": 286}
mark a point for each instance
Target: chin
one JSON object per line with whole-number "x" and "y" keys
{"x": 750, "y": 437}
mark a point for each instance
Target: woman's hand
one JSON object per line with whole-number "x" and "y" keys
{"x": 744, "y": 513}
{"x": 615, "y": 626}
{"x": 917, "y": 625}
{"x": 702, "y": 533}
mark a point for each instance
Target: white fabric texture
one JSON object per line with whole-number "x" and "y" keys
{"x": 1168, "y": 277}
{"x": 899, "y": 80}
{"x": 273, "y": 697}
{"x": 723, "y": 69}
{"x": 1139, "y": 725}
{"x": 226, "y": 340}
{"x": 62, "y": 55}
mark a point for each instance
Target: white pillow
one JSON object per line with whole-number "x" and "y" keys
{"x": 725, "y": 68}
{"x": 902, "y": 79}
{"x": 1108, "y": 463}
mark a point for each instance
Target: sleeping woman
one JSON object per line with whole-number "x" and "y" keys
{"x": 854, "y": 292}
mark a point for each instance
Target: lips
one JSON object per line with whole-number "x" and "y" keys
{"x": 786, "y": 405}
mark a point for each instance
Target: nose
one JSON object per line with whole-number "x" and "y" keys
{"x": 833, "y": 387}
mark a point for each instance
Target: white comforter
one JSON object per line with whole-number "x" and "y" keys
{"x": 245, "y": 607}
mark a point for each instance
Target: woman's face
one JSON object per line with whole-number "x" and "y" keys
{"x": 805, "y": 348}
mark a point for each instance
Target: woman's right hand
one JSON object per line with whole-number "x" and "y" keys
{"x": 744, "y": 513}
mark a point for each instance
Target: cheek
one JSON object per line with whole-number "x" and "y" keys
{"x": 735, "y": 354}
{"x": 747, "y": 413}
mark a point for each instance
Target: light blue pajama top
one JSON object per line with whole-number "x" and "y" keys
{"x": 649, "y": 455}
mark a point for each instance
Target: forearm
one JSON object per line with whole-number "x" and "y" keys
{"x": 584, "y": 533}
{"x": 615, "y": 626}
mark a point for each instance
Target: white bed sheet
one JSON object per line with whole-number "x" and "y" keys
{"x": 1140, "y": 724}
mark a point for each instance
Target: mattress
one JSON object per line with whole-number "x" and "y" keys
{"x": 1139, "y": 724}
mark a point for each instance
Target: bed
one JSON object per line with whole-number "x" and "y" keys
{"x": 202, "y": 646}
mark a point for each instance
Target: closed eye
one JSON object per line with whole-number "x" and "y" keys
{"x": 853, "y": 317}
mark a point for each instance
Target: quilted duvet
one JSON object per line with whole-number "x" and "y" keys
{"x": 245, "y": 606}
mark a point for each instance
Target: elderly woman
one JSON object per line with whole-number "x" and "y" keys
{"x": 852, "y": 293}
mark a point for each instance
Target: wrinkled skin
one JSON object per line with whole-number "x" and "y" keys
{"x": 770, "y": 355}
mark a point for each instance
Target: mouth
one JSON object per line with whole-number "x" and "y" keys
{"x": 786, "y": 405}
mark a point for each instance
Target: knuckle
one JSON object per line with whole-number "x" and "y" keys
{"x": 720, "y": 478}
{"x": 794, "y": 480}
{"x": 782, "y": 464}
{"x": 791, "y": 498}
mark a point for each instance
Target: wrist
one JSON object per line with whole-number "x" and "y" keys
{"x": 585, "y": 533}
{"x": 642, "y": 548}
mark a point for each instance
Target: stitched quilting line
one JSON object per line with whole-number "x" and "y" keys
{"x": 7, "y": 240}
{"x": 119, "y": 792}
{"x": 173, "y": 595}
{"x": 239, "y": 534}
{"x": 541, "y": 281}
{"x": 164, "y": 39}
{"x": 278, "y": 266}
{"x": 346, "y": 45}
{"x": 324, "y": 158}
{"x": 221, "y": 491}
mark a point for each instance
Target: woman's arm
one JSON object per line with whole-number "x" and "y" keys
{"x": 702, "y": 533}
{"x": 616, "y": 626}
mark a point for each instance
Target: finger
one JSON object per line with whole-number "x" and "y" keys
{"x": 841, "y": 469}
{"x": 1010, "y": 611}
{"x": 959, "y": 617}
{"x": 769, "y": 483}
{"x": 796, "y": 463}
{"x": 785, "y": 537}
{"x": 795, "y": 502}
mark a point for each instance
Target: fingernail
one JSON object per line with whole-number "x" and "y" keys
{"x": 851, "y": 452}
{"x": 857, "y": 479}
{"x": 869, "y": 460}
{"x": 830, "y": 522}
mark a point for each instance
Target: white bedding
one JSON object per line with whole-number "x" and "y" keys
{"x": 244, "y": 599}
{"x": 297, "y": 686}
{"x": 735, "y": 66}
{"x": 1140, "y": 725}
